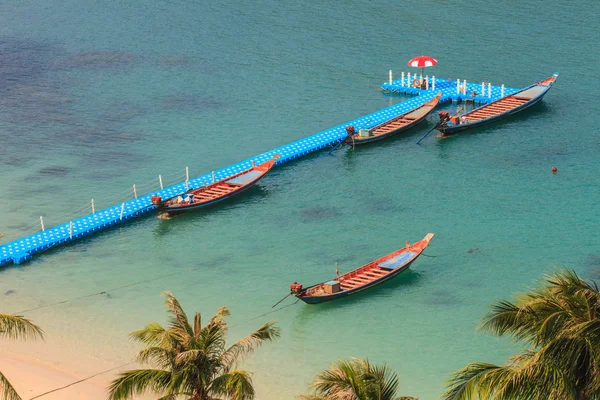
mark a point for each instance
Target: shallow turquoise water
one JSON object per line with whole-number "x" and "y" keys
{"x": 95, "y": 98}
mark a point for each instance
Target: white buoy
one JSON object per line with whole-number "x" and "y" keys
{"x": 93, "y": 207}
{"x": 187, "y": 178}
{"x": 502, "y": 91}
{"x": 433, "y": 82}
{"x": 160, "y": 181}
{"x": 390, "y": 76}
{"x": 490, "y": 90}
{"x": 42, "y": 223}
{"x": 402, "y": 81}
{"x": 134, "y": 191}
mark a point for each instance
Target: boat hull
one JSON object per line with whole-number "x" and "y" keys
{"x": 185, "y": 208}
{"x": 421, "y": 112}
{"x": 365, "y": 277}
{"x": 339, "y": 295}
{"x": 451, "y": 129}
{"x": 218, "y": 191}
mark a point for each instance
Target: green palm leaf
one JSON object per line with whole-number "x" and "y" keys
{"x": 130, "y": 383}
{"x": 7, "y": 392}
{"x": 559, "y": 321}
{"x": 17, "y": 327}
{"x": 190, "y": 360}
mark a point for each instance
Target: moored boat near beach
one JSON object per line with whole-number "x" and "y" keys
{"x": 367, "y": 276}
{"x": 496, "y": 110}
{"x": 217, "y": 191}
{"x": 393, "y": 126}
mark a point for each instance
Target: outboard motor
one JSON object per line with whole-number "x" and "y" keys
{"x": 350, "y": 130}
{"x": 295, "y": 288}
{"x": 444, "y": 116}
{"x": 157, "y": 201}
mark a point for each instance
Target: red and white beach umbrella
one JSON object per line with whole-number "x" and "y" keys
{"x": 422, "y": 62}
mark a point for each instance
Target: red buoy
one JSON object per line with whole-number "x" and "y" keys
{"x": 554, "y": 169}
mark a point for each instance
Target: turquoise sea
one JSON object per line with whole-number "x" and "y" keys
{"x": 98, "y": 96}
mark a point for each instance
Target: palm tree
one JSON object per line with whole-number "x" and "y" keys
{"x": 560, "y": 324}
{"x": 191, "y": 360}
{"x": 15, "y": 327}
{"x": 355, "y": 379}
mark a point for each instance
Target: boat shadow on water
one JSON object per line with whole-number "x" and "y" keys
{"x": 384, "y": 290}
{"x": 255, "y": 194}
{"x": 533, "y": 113}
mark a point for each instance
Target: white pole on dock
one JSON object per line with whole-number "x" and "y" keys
{"x": 402, "y": 82}
{"x": 213, "y": 177}
{"x": 122, "y": 210}
{"x": 42, "y": 223}
{"x": 427, "y": 82}
{"x": 187, "y": 178}
{"x": 433, "y": 82}
{"x": 458, "y": 86}
{"x": 93, "y": 207}
{"x": 421, "y": 81}
{"x": 490, "y": 90}
{"x": 502, "y": 91}
{"x": 134, "y": 191}
{"x": 390, "y": 76}
{"x": 408, "y": 82}
{"x": 160, "y": 181}
{"x": 252, "y": 163}
{"x": 71, "y": 230}
{"x": 465, "y": 86}
{"x": 482, "y": 89}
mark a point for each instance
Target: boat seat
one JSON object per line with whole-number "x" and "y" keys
{"x": 397, "y": 261}
{"x": 245, "y": 178}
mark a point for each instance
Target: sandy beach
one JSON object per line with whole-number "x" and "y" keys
{"x": 32, "y": 377}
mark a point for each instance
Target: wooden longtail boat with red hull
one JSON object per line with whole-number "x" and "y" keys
{"x": 367, "y": 276}
{"x": 217, "y": 191}
{"x": 393, "y": 126}
{"x": 496, "y": 110}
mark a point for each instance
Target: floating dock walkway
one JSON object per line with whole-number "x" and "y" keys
{"x": 21, "y": 250}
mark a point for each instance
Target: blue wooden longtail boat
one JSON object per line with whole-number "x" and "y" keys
{"x": 216, "y": 191}
{"x": 393, "y": 126}
{"x": 504, "y": 107}
{"x": 365, "y": 277}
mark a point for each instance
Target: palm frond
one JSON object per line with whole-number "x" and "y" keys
{"x": 179, "y": 323}
{"x": 130, "y": 383}
{"x": 163, "y": 358}
{"x": 197, "y": 325}
{"x": 245, "y": 346}
{"x": 154, "y": 334}
{"x": 17, "y": 327}
{"x": 235, "y": 384}
{"x": 7, "y": 392}
{"x": 468, "y": 382}
{"x": 387, "y": 382}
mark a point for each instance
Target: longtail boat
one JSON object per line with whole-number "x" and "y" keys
{"x": 392, "y": 126}
{"x": 216, "y": 191}
{"x": 365, "y": 277}
{"x": 507, "y": 105}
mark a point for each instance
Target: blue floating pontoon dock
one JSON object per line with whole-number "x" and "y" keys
{"x": 22, "y": 250}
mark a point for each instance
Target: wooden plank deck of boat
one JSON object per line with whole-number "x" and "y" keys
{"x": 362, "y": 278}
{"x": 498, "y": 107}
